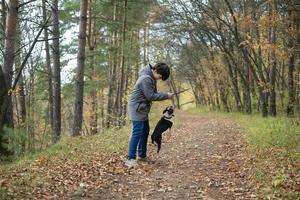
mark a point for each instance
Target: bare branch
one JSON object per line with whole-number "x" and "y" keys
{"x": 28, "y": 54}
{"x": 25, "y": 3}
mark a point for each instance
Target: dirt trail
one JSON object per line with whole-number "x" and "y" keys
{"x": 204, "y": 158}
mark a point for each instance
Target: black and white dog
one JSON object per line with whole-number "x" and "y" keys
{"x": 163, "y": 124}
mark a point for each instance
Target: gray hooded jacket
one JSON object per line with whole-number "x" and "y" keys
{"x": 142, "y": 95}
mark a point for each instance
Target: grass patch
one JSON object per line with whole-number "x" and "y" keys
{"x": 269, "y": 133}
{"x": 275, "y": 142}
{"x": 109, "y": 141}
{"x": 19, "y": 178}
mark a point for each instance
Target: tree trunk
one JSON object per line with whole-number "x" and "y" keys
{"x": 56, "y": 75}
{"x": 22, "y": 108}
{"x": 172, "y": 86}
{"x": 146, "y": 42}
{"x": 281, "y": 83}
{"x": 272, "y": 58}
{"x": 111, "y": 88}
{"x": 3, "y": 22}
{"x": 258, "y": 73}
{"x": 93, "y": 38}
{"x": 291, "y": 62}
{"x": 3, "y": 95}
{"x": 20, "y": 100}
{"x": 93, "y": 97}
{"x": 102, "y": 108}
{"x": 137, "y": 63}
{"x": 9, "y": 54}
{"x": 234, "y": 82}
{"x": 246, "y": 66}
{"x": 31, "y": 110}
{"x": 223, "y": 96}
{"x": 78, "y": 108}
{"x": 125, "y": 95}
{"x": 6, "y": 115}
{"x": 48, "y": 67}
{"x": 246, "y": 82}
{"x": 112, "y": 74}
{"x": 121, "y": 117}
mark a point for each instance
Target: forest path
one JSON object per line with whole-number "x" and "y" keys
{"x": 203, "y": 158}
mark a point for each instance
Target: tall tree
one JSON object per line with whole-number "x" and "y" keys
{"x": 48, "y": 67}
{"x": 291, "y": 57}
{"x": 78, "y": 107}
{"x": 56, "y": 81}
{"x": 121, "y": 86}
{"x": 246, "y": 61}
{"x": 20, "y": 105}
{"x": 146, "y": 42}
{"x": 2, "y": 24}
{"x": 3, "y": 96}
{"x": 112, "y": 71}
{"x": 93, "y": 39}
{"x": 272, "y": 56}
{"x": 6, "y": 115}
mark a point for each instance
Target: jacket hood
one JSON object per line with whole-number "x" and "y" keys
{"x": 146, "y": 71}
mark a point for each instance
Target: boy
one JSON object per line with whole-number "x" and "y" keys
{"x": 139, "y": 105}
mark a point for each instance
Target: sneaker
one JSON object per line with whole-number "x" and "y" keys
{"x": 131, "y": 163}
{"x": 143, "y": 159}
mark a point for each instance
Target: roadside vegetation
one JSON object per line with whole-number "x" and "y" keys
{"x": 274, "y": 144}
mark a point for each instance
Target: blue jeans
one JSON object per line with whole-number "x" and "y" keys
{"x": 138, "y": 139}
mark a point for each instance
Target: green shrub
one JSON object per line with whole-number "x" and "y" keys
{"x": 16, "y": 139}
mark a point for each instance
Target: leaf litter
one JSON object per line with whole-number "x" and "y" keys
{"x": 203, "y": 158}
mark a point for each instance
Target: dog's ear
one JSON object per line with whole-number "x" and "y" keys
{"x": 165, "y": 110}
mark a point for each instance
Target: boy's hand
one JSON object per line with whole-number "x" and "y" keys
{"x": 170, "y": 95}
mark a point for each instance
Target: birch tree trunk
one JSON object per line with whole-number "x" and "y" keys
{"x": 78, "y": 108}
{"x": 93, "y": 38}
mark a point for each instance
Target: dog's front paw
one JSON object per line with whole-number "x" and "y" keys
{"x": 154, "y": 142}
